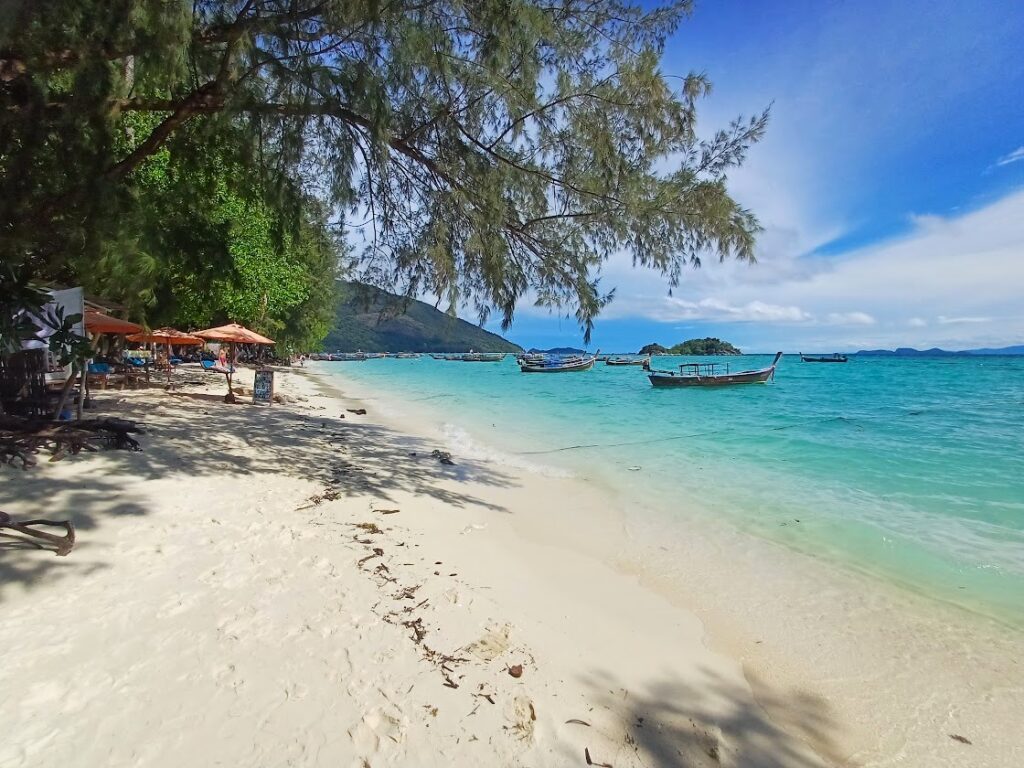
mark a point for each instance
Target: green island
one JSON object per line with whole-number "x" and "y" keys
{"x": 706, "y": 346}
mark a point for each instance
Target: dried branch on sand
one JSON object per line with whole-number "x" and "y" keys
{"x": 62, "y": 545}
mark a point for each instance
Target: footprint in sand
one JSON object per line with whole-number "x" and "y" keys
{"x": 493, "y": 643}
{"x": 178, "y": 604}
{"x": 523, "y": 717}
{"x": 378, "y": 726}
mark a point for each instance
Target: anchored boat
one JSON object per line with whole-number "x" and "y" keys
{"x": 627, "y": 361}
{"x": 711, "y": 375}
{"x": 557, "y": 364}
{"x": 833, "y": 358}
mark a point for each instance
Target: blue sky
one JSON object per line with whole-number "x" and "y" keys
{"x": 890, "y": 184}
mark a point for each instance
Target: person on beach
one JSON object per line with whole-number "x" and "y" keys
{"x": 222, "y": 359}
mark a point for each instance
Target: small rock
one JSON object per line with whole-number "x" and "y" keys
{"x": 516, "y": 670}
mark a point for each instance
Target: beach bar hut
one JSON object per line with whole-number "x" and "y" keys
{"x": 233, "y": 334}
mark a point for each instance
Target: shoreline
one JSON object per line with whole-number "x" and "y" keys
{"x": 238, "y": 615}
{"x": 838, "y": 635}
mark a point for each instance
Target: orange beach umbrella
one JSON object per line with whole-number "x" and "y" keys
{"x": 232, "y": 333}
{"x": 98, "y": 322}
{"x": 166, "y": 336}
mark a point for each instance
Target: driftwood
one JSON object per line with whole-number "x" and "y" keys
{"x": 62, "y": 545}
{"x": 22, "y": 439}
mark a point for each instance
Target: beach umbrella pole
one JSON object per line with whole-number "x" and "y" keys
{"x": 230, "y": 398}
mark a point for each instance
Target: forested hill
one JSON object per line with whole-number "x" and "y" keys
{"x": 708, "y": 346}
{"x": 373, "y": 320}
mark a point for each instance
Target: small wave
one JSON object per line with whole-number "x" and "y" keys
{"x": 461, "y": 443}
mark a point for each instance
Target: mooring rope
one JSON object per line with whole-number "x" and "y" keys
{"x": 670, "y": 438}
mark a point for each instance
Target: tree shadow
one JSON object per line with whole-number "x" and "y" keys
{"x": 191, "y": 438}
{"x": 707, "y": 721}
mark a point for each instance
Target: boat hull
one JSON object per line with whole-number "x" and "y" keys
{"x": 673, "y": 379}
{"x": 584, "y": 366}
{"x": 703, "y": 375}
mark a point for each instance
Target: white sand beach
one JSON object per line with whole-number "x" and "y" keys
{"x": 305, "y": 585}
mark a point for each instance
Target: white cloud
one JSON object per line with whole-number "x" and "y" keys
{"x": 943, "y": 320}
{"x": 966, "y": 266}
{"x": 850, "y": 318}
{"x": 671, "y": 309}
{"x": 1012, "y": 157}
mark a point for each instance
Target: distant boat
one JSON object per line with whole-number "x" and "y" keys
{"x": 833, "y": 358}
{"x": 557, "y": 364}
{"x": 347, "y": 357}
{"x": 627, "y": 360}
{"x": 482, "y": 357}
{"x": 531, "y": 358}
{"x": 406, "y": 355}
{"x": 711, "y": 375}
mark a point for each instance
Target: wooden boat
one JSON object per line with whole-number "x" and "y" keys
{"x": 711, "y": 375}
{"x": 482, "y": 357}
{"x": 627, "y": 360}
{"x": 531, "y": 358}
{"x": 833, "y": 358}
{"x": 348, "y": 357}
{"x": 406, "y": 355}
{"x": 559, "y": 364}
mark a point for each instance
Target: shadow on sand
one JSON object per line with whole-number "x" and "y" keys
{"x": 195, "y": 435}
{"x": 710, "y": 721}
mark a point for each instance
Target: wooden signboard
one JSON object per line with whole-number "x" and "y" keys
{"x": 263, "y": 387}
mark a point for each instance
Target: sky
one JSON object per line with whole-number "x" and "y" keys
{"x": 890, "y": 184}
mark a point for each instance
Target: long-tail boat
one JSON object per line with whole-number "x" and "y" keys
{"x": 482, "y": 357}
{"x": 558, "y": 364}
{"x": 835, "y": 357}
{"x": 711, "y": 375}
{"x": 627, "y": 360}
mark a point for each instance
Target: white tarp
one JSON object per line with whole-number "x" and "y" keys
{"x": 72, "y": 302}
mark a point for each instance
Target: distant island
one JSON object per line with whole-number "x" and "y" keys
{"x": 707, "y": 346}
{"x": 936, "y": 352}
{"x": 372, "y": 320}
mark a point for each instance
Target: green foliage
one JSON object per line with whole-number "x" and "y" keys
{"x": 495, "y": 150}
{"x": 653, "y": 349}
{"x": 371, "y": 320}
{"x": 706, "y": 346}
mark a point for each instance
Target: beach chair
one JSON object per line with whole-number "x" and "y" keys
{"x": 211, "y": 365}
{"x": 103, "y": 374}
{"x": 136, "y": 369}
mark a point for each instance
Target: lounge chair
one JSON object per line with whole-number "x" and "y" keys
{"x": 211, "y": 365}
{"x": 103, "y": 373}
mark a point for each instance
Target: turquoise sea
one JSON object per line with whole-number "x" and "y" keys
{"x": 908, "y": 470}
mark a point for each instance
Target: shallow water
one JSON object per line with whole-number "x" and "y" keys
{"x": 909, "y": 470}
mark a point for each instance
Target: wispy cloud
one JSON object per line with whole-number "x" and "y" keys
{"x": 1012, "y": 157}
{"x": 917, "y": 322}
{"x": 671, "y": 309}
{"x": 943, "y": 320}
{"x": 850, "y": 318}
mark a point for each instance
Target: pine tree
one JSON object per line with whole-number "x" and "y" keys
{"x": 487, "y": 149}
